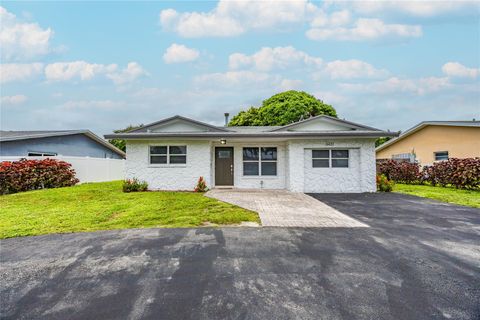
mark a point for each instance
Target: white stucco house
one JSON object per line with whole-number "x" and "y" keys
{"x": 320, "y": 154}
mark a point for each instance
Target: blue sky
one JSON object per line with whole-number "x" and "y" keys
{"x": 105, "y": 65}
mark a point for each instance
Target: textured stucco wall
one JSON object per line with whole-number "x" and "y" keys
{"x": 359, "y": 177}
{"x": 294, "y": 170}
{"x": 75, "y": 145}
{"x": 249, "y": 182}
{"x": 169, "y": 177}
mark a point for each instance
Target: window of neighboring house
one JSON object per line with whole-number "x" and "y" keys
{"x": 441, "y": 155}
{"x": 330, "y": 158}
{"x": 41, "y": 154}
{"x": 260, "y": 161}
{"x": 401, "y": 156}
{"x": 168, "y": 154}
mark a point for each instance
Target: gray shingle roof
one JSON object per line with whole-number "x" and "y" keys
{"x": 354, "y": 130}
{"x": 253, "y": 129}
{"x": 24, "y": 135}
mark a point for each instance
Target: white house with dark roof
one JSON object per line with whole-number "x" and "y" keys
{"x": 320, "y": 154}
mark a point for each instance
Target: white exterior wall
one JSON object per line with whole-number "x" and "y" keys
{"x": 359, "y": 177}
{"x": 253, "y": 182}
{"x": 169, "y": 177}
{"x": 293, "y": 161}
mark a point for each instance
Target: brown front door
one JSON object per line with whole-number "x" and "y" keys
{"x": 224, "y": 166}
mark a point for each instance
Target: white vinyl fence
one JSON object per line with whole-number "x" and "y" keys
{"x": 87, "y": 169}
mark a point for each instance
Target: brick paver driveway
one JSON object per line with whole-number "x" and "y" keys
{"x": 281, "y": 208}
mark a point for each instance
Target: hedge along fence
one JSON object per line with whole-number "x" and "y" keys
{"x": 25, "y": 175}
{"x": 460, "y": 173}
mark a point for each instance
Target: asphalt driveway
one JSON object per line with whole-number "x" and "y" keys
{"x": 419, "y": 259}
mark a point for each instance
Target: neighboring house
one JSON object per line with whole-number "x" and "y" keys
{"x": 320, "y": 154}
{"x": 77, "y": 143}
{"x": 431, "y": 141}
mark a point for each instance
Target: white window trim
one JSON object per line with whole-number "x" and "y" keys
{"x": 330, "y": 158}
{"x": 259, "y": 161}
{"x": 168, "y": 164}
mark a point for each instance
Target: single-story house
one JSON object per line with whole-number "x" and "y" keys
{"x": 431, "y": 141}
{"x": 320, "y": 154}
{"x": 75, "y": 143}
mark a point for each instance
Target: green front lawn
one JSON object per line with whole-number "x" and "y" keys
{"x": 103, "y": 206}
{"x": 452, "y": 195}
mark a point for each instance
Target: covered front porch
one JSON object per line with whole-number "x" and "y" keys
{"x": 248, "y": 164}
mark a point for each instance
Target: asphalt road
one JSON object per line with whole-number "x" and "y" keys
{"x": 419, "y": 259}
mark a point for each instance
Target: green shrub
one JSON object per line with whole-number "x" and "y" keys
{"x": 400, "y": 171}
{"x": 383, "y": 184}
{"x": 134, "y": 185}
{"x": 460, "y": 173}
{"x": 26, "y": 175}
{"x": 201, "y": 185}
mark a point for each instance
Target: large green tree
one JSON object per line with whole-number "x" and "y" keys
{"x": 283, "y": 108}
{"x": 119, "y": 143}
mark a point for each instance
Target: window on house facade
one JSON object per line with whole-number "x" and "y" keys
{"x": 41, "y": 154}
{"x": 441, "y": 155}
{"x": 330, "y": 158}
{"x": 260, "y": 161}
{"x": 168, "y": 154}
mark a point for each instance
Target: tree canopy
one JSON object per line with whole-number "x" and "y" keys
{"x": 282, "y": 109}
{"x": 119, "y": 143}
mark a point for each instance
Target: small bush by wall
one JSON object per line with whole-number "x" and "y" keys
{"x": 201, "y": 185}
{"x": 134, "y": 185}
{"x": 383, "y": 184}
{"x": 25, "y": 175}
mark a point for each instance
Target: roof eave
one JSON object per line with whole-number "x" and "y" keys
{"x": 88, "y": 133}
{"x": 143, "y": 136}
{"x": 166, "y": 120}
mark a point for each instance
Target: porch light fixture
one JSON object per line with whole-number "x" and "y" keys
{"x": 223, "y": 141}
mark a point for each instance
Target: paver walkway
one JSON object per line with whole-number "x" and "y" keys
{"x": 281, "y": 208}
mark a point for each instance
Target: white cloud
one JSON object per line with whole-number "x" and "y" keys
{"x": 395, "y": 85}
{"x": 330, "y": 97}
{"x": 82, "y": 70}
{"x": 13, "y": 100}
{"x": 232, "y": 18}
{"x": 92, "y": 104}
{"x": 337, "y": 18}
{"x": 455, "y": 69}
{"x": 132, "y": 72}
{"x": 63, "y": 71}
{"x": 350, "y": 69}
{"x": 274, "y": 58}
{"x": 418, "y": 8}
{"x": 179, "y": 53}
{"x": 365, "y": 29}
{"x": 245, "y": 81}
{"x": 22, "y": 40}
{"x": 233, "y": 78}
{"x": 291, "y": 84}
{"x": 10, "y": 72}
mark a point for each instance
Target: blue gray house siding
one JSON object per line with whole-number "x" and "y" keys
{"x": 76, "y": 145}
